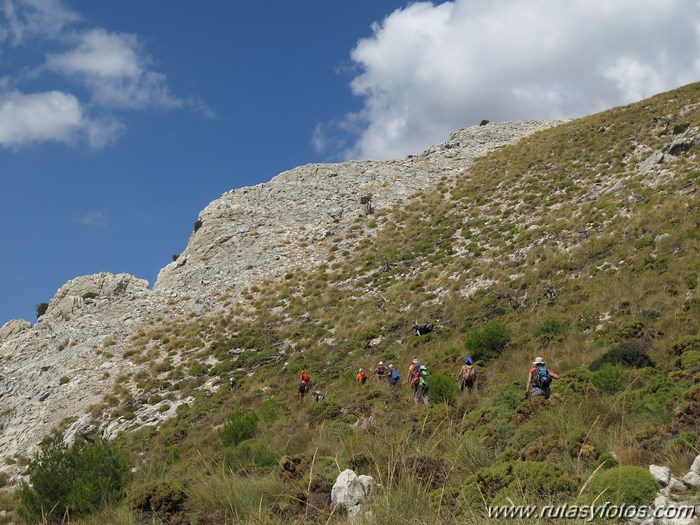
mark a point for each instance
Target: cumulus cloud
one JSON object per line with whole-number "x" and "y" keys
{"x": 110, "y": 71}
{"x": 52, "y": 116}
{"x": 428, "y": 69}
{"x": 115, "y": 69}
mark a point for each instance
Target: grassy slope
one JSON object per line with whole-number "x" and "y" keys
{"x": 485, "y": 249}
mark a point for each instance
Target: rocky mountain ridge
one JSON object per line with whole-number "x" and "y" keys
{"x": 55, "y": 371}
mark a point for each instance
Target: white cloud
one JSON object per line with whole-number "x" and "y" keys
{"x": 115, "y": 69}
{"x": 51, "y": 116}
{"x": 96, "y": 218}
{"x": 427, "y": 69}
{"x": 43, "y": 117}
{"x": 24, "y": 19}
{"x": 110, "y": 72}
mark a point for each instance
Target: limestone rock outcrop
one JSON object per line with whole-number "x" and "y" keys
{"x": 268, "y": 229}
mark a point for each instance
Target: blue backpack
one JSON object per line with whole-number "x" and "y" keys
{"x": 395, "y": 374}
{"x": 540, "y": 376}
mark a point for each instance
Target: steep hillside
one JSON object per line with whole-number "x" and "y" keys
{"x": 578, "y": 243}
{"x": 82, "y": 365}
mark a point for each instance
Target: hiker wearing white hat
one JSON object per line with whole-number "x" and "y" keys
{"x": 380, "y": 372}
{"x": 539, "y": 379}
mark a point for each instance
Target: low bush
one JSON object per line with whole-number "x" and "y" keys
{"x": 550, "y": 329}
{"x": 690, "y": 361}
{"x": 500, "y": 483}
{"x": 609, "y": 378}
{"x": 627, "y": 484}
{"x": 443, "y": 388}
{"x": 160, "y": 498}
{"x": 488, "y": 342}
{"x": 631, "y": 354}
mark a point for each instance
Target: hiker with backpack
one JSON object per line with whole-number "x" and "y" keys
{"x": 362, "y": 377}
{"x": 393, "y": 379}
{"x": 539, "y": 379}
{"x": 467, "y": 375}
{"x": 416, "y": 382}
{"x": 413, "y": 367}
{"x": 423, "y": 383}
{"x": 304, "y": 385}
{"x": 380, "y": 372}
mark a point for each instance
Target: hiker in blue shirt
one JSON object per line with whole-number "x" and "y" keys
{"x": 393, "y": 379}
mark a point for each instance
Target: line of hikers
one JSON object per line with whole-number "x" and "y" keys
{"x": 538, "y": 381}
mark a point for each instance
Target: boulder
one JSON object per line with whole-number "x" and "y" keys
{"x": 695, "y": 467}
{"x": 691, "y": 479}
{"x": 351, "y": 490}
{"x": 676, "y": 486}
{"x": 661, "y": 474}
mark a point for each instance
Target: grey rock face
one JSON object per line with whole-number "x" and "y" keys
{"x": 268, "y": 229}
{"x": 56, "y": 369}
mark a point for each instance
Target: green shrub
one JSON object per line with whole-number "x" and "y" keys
{"x": 550, "y": 329}
{"x": 690, "y": 361}
{"x": 680, "y": 128}
{"x": 72, "y": 481}
{"x": 325, "y": 410}
{"x": 442, "y": 388}
{"x": 41, "y": 309}
{"x": 609, "y": 378}
{"x": 487, "y": 343}
{"x": 158, "y": 497}
{"x": 502, "y": 482}
{"x": 63, "y": 380}
{"x": 691, "y": 342}
{"x": 240, "y": 426}
{"x": 628, "y": 485}
{"x": 632, "y": 354}
{"x": 658, "y": 396}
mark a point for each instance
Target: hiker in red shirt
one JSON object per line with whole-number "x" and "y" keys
{"x": 304, "y": 385}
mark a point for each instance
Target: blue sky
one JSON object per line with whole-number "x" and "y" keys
{"x": 121, "y": 119}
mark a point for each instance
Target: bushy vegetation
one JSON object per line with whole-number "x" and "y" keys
{"x": 628, "y": 484}
{"x": 631, "y": 354}
{"x": 487, "y": 342}
{"x": 70, "y": 482}
{"x": 240, "y": 426}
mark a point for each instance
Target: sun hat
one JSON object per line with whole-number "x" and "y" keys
{"x": 423, "y": 367}
{"x": 415, "y": 361}
{"x": 538, "y": 361}
{"x": 381, "y": 362}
